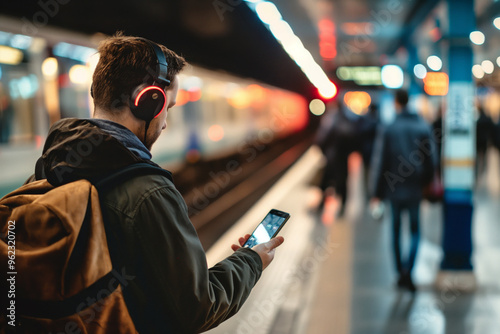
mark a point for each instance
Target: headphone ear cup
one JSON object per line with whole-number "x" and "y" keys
{"x": 147, "y": 101}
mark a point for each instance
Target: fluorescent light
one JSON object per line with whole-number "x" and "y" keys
{"x": 477, "y": 37}
{"x": 10, "y": 56}
{"x": 478, "y": 71}
{"x": 392, "y": 76}
{"x": 487, "y": 66}
{"x": 434, "y": 63}
{"x": 496, "y": 23}
{"x": 420, "y": 71}
{"x": 268, "y": 12}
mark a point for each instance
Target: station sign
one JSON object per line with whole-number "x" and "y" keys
{"x": 361, "y": 75}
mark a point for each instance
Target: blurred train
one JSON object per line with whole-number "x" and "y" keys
{"x": 47, "y": 77}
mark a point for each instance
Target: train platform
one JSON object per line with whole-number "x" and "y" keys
{"x": 335, "y": 275}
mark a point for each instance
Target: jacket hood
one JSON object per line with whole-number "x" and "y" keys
{"x": 78, "y": 149}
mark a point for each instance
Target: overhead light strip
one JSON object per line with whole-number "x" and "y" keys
{"x": 269, "y": 14}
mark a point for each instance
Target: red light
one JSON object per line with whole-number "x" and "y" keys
{"x": 327, "y": 39}
{"x": 327, "y": 50}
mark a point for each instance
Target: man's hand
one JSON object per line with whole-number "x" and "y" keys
{"x": 265, "y": 250}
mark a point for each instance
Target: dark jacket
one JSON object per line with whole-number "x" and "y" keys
{"x": 404, "y": 159}
{"x": 169, "y": 288}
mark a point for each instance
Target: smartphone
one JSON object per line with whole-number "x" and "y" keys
{"x": 268, "y": 228}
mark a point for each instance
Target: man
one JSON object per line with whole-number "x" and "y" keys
{"x": 151, "y": 239}
{"x": 404, "y": 160}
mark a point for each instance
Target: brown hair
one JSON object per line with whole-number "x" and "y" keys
{"x": 124, "y": 63}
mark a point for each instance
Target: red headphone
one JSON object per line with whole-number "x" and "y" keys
{"x": 148, "y": 99}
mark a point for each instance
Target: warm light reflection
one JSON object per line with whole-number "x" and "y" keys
{"x": 358, "y": 102}
{"x": 240, "y": 99}
{"x": 79, "y": 74}
{"x": 194, "y": 94}
{"x": 182, "y": 97}
{"x": 215, "y": 132}
{"x": 10, "y": 56}
{"x": 436, "y": 83}
{"x": 258, "y": 95}
{"x": 49, "y": 68}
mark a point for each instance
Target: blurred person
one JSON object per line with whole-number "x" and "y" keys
{"x": 147, "y": 225}
{"x": 437, "y": 132}
{"x": 325, "y": 141}
{"x": 368, "y": 125}
{"x": 338, "y": 141}
{"x": 496, "y": 135}
{"x": 484, "y": 136}
{"x": 403, "y": 163}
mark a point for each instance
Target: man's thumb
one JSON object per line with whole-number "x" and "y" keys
{"x": 275, "y": 242}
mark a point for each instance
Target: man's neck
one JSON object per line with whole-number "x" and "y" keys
{"x": 121, "y": 117}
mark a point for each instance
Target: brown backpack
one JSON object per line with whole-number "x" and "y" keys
{"x": 56, "y": 261}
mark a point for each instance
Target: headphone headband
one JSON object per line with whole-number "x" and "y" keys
{"x": 161, "y": 62}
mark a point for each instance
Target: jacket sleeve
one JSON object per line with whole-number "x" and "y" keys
{"x": 377, "y": 165}
{"x": 199, "y": 298}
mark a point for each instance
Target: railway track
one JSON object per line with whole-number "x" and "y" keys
{"x": 218, "y": 193}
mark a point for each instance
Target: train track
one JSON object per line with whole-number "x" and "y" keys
{"x": 234, "y": 184}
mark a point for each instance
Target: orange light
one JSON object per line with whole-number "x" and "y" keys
{"x": 258, "y": 95}
{"x": 436, "y": 83}
{"x": 240, "y": 99}
{"x": 215, "y": 132}
{"x": 194, "y": 94}
{"x": 182, "y": 97}
{"x": 358, "y": 102}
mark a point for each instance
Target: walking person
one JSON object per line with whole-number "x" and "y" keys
{"x": 338, "y": 141}
{"x": 404, "y": 162}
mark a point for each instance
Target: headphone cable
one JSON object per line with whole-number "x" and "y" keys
{"x": 146, "y": 131}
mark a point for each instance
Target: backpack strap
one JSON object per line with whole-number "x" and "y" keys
{"x": 59, "y": 309}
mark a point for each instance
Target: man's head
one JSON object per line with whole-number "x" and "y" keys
{"x": 126, "y": 62}
{"x": 401, "y": 99}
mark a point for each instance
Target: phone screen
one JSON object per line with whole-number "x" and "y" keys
{"x": 268, "y": 228}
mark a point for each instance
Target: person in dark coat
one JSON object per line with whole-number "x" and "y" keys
{"x": 148, "y": 229}
{"x": 437, "y": 132}
{"x": 368, "y": 125}
{"x": 484, "y": 135}
{"x": 337, "y": 142}
{"x": 403, "y": 163}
